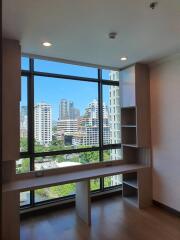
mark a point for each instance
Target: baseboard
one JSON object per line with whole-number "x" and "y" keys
{"x": 165, "y": 207}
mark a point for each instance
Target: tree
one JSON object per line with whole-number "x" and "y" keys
{"x": 89, "y": 157}
{"x": 23, "y": 144}
{"x": 106, "y": 155}
{"x": 24, "y": 167}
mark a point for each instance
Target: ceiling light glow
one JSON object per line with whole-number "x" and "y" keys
{"x": 47, "y": 44}
{"x": 123, "y": 58}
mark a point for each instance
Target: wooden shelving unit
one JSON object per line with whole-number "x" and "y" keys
{"x": 132, "y": 183}
{"x": 131, "y": 180}
{"x": 135, "y": 133}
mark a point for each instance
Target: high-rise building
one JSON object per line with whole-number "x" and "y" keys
{"x": 115, "y": 125}
{"x": 23, "y": 122}
{"x": 63, "y": 109}
{"x": 83, "y": 130}
{"x": 90, "y": 125}
{"x": 76, "y": 113}
{"x": 67, "y": 110}
{"x": 24, "y": 111}
{"x": 67, "y": 127}
{"x": 43, "y": 123}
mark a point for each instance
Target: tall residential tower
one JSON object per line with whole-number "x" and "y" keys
{"x": 115, "y": 125}
{"x": 43, "y": 123}
{"x": 67, "y": 110}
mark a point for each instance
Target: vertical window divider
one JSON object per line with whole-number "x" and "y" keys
{"x": 31, "y": 121}
{"x": 100, "y": 108}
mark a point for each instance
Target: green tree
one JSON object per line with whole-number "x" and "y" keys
{"x": 89, "y": 157}
{"x": 23, "y": 144}
{"x": 106, "y": 155}
{"x": 24, "y": 166}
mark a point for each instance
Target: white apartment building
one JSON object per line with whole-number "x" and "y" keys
{"x": 23, "y": 122}
{"x": 67, "y": 110}
{"x": 43, "y": 123}
{"x": 90, "y": 125}
{"x": 67, "y": 127}
{"x": 115, "y": 124}
{"x": 89, "y": 132}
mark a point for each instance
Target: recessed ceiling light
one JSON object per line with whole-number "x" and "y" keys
{"x": 112, "y": 35}
{"x": 153, "y": 5}
{"x": 47, "y": 44}
{"x": 123, "y": 58}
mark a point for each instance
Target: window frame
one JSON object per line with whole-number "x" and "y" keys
{"x": 31, "y": 154}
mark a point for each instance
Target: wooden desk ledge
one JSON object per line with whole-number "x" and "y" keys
{"x": 46, "y": 181}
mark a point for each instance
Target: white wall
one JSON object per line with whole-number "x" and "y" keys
{"x": 165, "y": 127}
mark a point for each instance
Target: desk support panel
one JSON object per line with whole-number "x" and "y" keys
{"x": 83, "y": 204}
{"x": 11, "y": 218}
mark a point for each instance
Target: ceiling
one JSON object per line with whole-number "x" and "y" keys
{"x": 78, "y": 29}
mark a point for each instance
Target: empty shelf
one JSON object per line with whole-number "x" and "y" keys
{"x": 131, "y": 182}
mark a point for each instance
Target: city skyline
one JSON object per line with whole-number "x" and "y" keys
{"x": 57, "y": 107}
{"x": 49, "y": 89}
{"x": 78, "y": 129}
{"x": 88, "y": 119}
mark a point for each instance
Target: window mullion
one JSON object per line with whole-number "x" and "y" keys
{"x": 31, "y": 122}
{"x": 100, "y": 108}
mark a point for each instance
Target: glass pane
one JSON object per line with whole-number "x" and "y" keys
{"x": 23, "y": 165}
{"x": 23, "y": 116}
{"x": 112, "y": 154}
{"x": 24, "y": 198}
{"x": 65, "y": 68}
{"x": 111, "y": 115}
{"x": 66, "y": 114}
{"x": 110, "y": 75}
{"x": 49, "y": 193}
{"x": 95, "y": 184}
{"x": 24, "y": 63}
{"x": 66, "y": 160}
{"x": 112, "y": 181}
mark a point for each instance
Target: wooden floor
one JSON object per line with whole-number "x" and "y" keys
{"x": 112, "y": 219}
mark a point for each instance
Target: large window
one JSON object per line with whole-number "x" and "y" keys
{"x": 69, "y": 115}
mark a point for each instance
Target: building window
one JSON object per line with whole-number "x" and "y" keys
{"x": 67, "y": 118}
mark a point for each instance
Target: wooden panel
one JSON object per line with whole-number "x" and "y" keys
{"x": 10, "y": 216}
{"x": 8, "y": 171}
{"x": 129, "y": 136}
{"x": 144, "y": 156}
{"x": 130, "y": 194}
{"x": 11, "y": 99}
{"x": 143, "y": 105}
{"x": 127, "y": 87}
{"x": 145, "y": 188}
{"x": 130, "y": 155}
{"x": 40, "y": 182}
{"x": 83, "y": 205}
{"x": 128, "y": 116}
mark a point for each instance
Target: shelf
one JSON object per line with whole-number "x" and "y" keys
{"x": 128, "y": 116}
{"x": 130, "y": 193}
{"x": 130, "y": 145}
{"x": 130, "y": 107}
{"x": 129, "y": 136}
{"x": 132, "y": 199}
{"x": 128, "y": 126}
{"x": 131, "y": 182}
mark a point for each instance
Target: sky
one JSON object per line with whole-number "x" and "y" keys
{"x": 52, "y": 90}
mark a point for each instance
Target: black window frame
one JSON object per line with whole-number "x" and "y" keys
{"x": 31, "y": 154}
